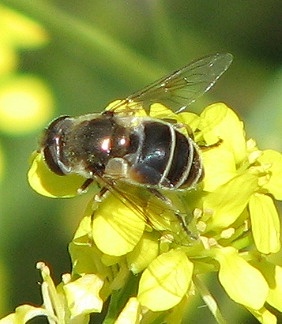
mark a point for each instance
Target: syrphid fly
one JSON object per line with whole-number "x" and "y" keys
{"x": 120, "y": 146}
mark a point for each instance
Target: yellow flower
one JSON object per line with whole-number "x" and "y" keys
{"x": 71, "y": 302}
{"x": 25, "y": 101}
{"x": 137, "y": 251}
{"x": 20, "y": 31}
{"x": 25, "y": 104}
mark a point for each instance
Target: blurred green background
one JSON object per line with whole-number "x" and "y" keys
{"x": 76, "y": 57}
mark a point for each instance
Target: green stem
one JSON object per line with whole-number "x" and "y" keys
{"x": 209, "y": 300}
{"x": 89, "y": 37}
{"x": 120, "y": 298}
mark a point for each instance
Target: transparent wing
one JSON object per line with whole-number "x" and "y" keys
{"x": 160, "y": 214}
{"x": 179, "y": 89}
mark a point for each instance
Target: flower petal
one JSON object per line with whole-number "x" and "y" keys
{"x": 190, "y": 119}
{"x": 264, "y": 316}
{"x": 273, "y": 275}
{"x": 116, "y": 228}
{"x": 160, "y": 111}
{"x": 220, "y": 122}
{"x": 144, "y": 253}
{"x": 87, "y": 258}
{"x": 164, "y": 283}
{"x": 275, "y": 292}
{"x": 274, "y": 160}
{"x": 48, "y": 184}
{"x": 265, "y": 223}
{"x": 229, "y": 200}
{"x": 243, "y": 283}
{"x": 83, "y": 295}
{"x": 219, "y": 166}
{"x": 23, "y": 314}
{"x": 131, "y": 312}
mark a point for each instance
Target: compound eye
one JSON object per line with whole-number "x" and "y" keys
{"x": 52, "y": 158}
{"x": 52, "y": 144}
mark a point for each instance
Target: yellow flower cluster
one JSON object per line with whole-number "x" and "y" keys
{"x": 145, "y": 260}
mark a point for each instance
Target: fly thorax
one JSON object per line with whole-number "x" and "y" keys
{"x": 88, "y": 145}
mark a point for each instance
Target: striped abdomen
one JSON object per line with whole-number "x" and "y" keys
{"x": 166, "y": 158}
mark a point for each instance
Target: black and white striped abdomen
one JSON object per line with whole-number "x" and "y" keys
{"x": 166, "y": 158}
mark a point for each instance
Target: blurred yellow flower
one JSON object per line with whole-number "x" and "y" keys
{"x": 8, "y": 59}
{"x": 25, "y": 104}
{"x": 20, "y": 31}
{"x": 17, "y": 32}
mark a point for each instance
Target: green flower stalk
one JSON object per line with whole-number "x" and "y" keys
{"x": 146, "y": 262}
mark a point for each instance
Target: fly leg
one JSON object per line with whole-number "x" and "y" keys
{"x": 176, "y": 212}
{"x": 206, "y": 147}
{"x": 85, "y": 186}
{"x": 98, "y": 197}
